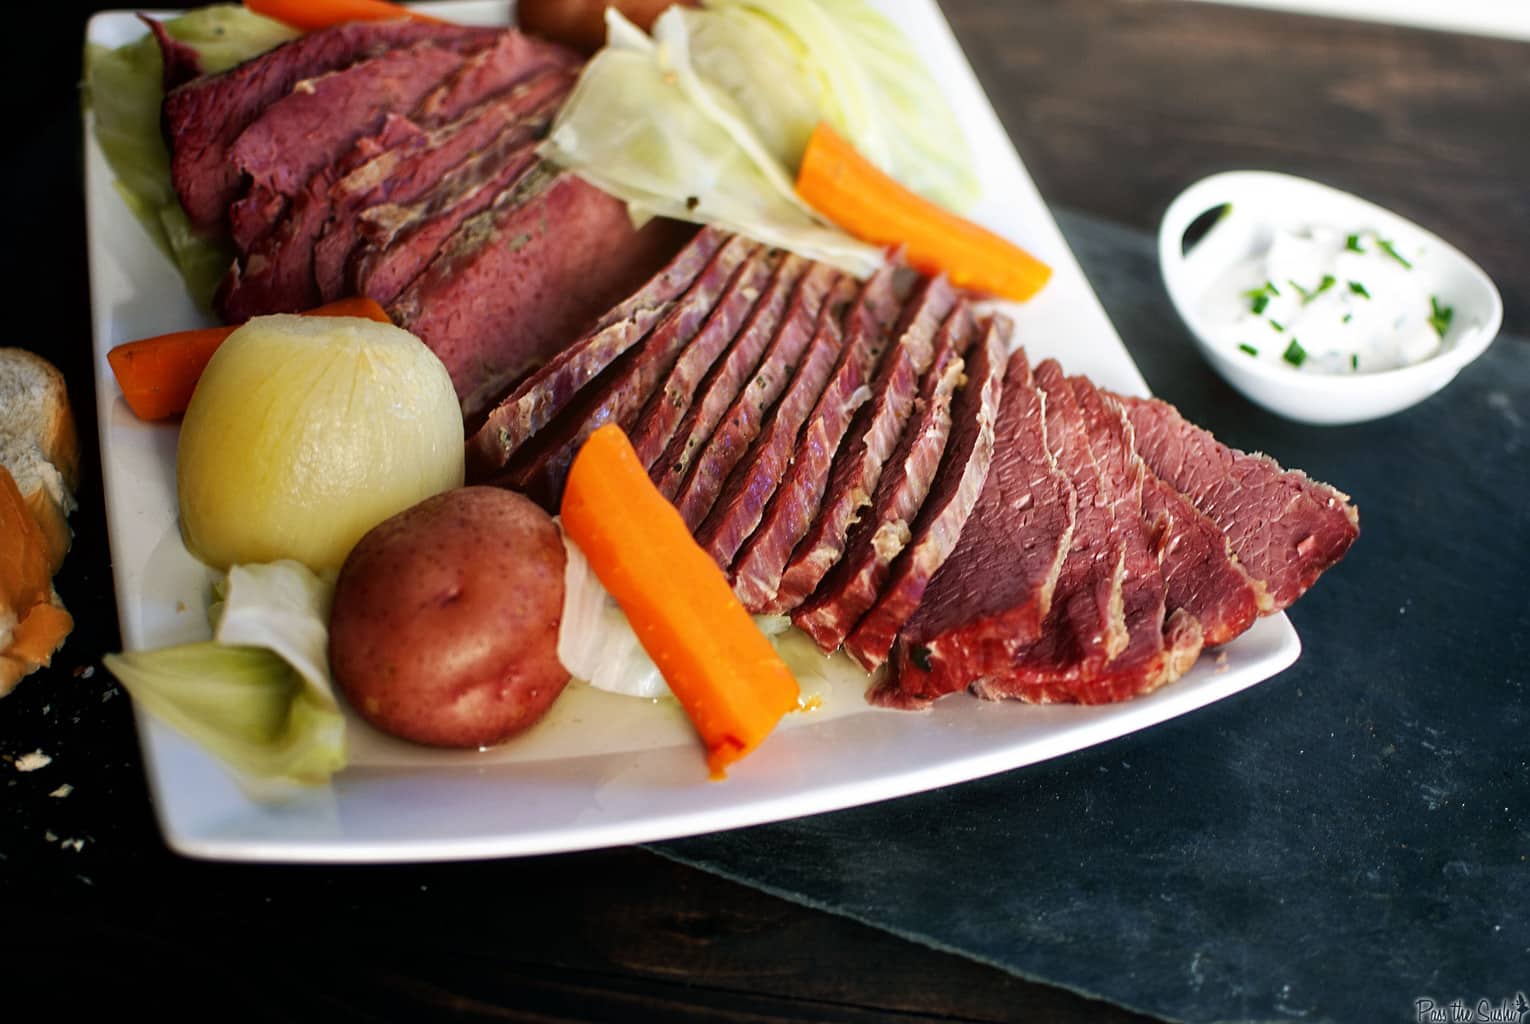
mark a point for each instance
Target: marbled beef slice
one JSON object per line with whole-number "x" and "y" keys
{"x": 885, "y": 526}
{"x": 953, "y": 495}
{"x": 1285, "y": 528}
{"x": 989, "y": 598}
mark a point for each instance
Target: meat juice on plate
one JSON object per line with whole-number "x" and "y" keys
{"x": 1324, "y": 300}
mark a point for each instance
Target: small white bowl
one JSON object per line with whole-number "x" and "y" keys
{"x": 1258, "y": 203}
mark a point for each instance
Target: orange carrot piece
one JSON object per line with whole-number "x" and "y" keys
{"x": 853, "y": 193}
{"x": 727, "y": 676}
{"x": 157, "y": 375}
{"x": 311, "y": 14}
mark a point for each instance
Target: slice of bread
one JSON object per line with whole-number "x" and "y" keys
{"x": 39, "y": 471}
{"x": 38, "y": 443}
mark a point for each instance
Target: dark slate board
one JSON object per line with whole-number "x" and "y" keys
{"x": 1332, "y": 845}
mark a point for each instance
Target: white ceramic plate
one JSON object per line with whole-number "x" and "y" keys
{"x": 601, "y": 771}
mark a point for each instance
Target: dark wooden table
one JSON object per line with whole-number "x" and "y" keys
{"x": 1115, "y": 105}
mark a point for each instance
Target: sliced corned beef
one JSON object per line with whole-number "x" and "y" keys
{"x": 656, "y": 424}
{"x": 545, "y": 393}
{"x": 958, "y": 483}
{"x": 799, "y": 360}
{"x": 515, "y": 283}
{"x": 990, "y": 596}
{"x": 417, "y": 164}
{"x": 400, "y": 239}
{"x": 317, "y": 123}
{"x": 868, "y": 444}
{"x": 800, "y": 354}
{"x": 726, "y": 382}
{"x": 203, "y": 117}
{"x": 179, "y": 63}
{"x": 1285, "y": 528}
{"x": 1201, "y": 574}
{"x": 790, "y": 462}
{"x": 512, "y": 59}
{"x": 715, "y": 304}
{"x": 882, "y": 531}
{"x": 276, "y": 276}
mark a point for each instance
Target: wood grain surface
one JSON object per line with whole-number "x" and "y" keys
{"x": 1115, "y": 105}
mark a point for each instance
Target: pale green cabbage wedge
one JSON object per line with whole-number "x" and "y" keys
{"x": 259, "y": 695}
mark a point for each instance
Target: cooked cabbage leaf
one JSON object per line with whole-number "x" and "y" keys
{"x": 631, "y": 129}
{"x": 123, "y": 89}
{"x": 258, "y": 696}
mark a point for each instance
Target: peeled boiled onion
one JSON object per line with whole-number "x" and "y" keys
{"x": 306, "y": 432}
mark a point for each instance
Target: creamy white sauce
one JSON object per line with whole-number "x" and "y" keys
{"x": 1324, "y": 300}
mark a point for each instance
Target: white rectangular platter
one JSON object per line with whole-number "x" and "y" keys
{"x": 601, "y": 770}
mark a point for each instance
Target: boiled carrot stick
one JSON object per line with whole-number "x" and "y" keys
{"x": 853, "y": 193}
{"x": 727, "y": 676}
{"x": 311, "y": 14}
{"x": 157, "y": 375}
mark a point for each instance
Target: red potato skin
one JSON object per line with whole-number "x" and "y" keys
{"x": 444, "y": 629}
{"x": 581, "y": 24}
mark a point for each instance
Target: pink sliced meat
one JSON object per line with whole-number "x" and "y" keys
{"x": 414, "y": 166}
{"x": 801, "y": 354}
{"x": 203, "y": 117}
{"x": 790, "y": 380}
{"x": 869, "y": 443}
{"x": 517, "y": 282}
{"x": 989, "y": 598}
{"x": 317, "y": 123}
{"x": 1285, "y": 528}
{"x": 703, "y": 366}
{"x": 885, "y": 527}
{"x": 792, "y": 458}
{"x": 953, "y": 495}
{"x": 547, "y": 392}
{"x": 716, "y": 303}
{"x": 512, "y": 59}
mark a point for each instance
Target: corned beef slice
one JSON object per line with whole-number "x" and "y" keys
{"x": 514, "y": 283}
{"x": 1201, "y": 574}
{"x": 419, "y": 165}
{"x": 512, "y": 59}
{"x": 723, "y": 385}
{"x": 793, "y": 468}
{"x": 203, "y": 117}
{"x": 655, "y": 426}
{"x": 317, "y": 123}
{"x": 179, "y": 63}
{"x": 540, "y": 469}
{"x": 807, "y": 338}
{"x": 989, "y": 598}
{"x": 953, "y": 495}
{"x": 869, "y": 442}
{"x": 805, "y": 351}
{"x": 1285, "y": 528}
{"x": 852, "y": 585}
{"x": 1071, "y": 662}
{"x": 545, "y": 393}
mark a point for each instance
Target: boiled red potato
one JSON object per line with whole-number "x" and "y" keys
{"x": 581, "y": 24}
{"x": 445, "y": 622}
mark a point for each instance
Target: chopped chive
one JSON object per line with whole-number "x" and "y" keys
{"x": 1259, "y": 297}
{"x": 1352, "y": 243}
{"x": 1440, "y": 316}
{"x": 1260, "y": 301}
{"x": 1271, "y": 286}
{"x": 1294, "y": 354}
{"x": 1354, "y": 362}
{"x": 1277, "y": 325}
{"x": 1348, "y": 317}
{"x": 1391, "y": 250}
{"x": 1324, "y": 285}
{"x": 1359, "y": 289}
{"x": 1251, "y": 350}
{"x": 1304, "y": 293}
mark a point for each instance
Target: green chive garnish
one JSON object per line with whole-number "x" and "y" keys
{"x": 1277, "y": 325}
{"x": 1354, "y": 362}
{"x": 1251, "y": 350}
{"x": 1359, "y": 289}
{"x": 1348, "y": 317}
{"x": 1440, "y": 316}
{"x": 1260, "y": 301}
{"x": 1323, "y": 285}
{"x": 1294, "y": 354}
{"x": 1391, "y": 250}
{"x": 1352, "y": 243}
